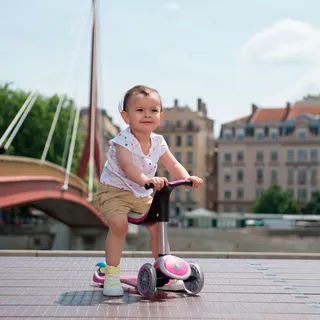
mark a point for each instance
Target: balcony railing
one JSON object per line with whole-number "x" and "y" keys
{"x": 186, "y": 128}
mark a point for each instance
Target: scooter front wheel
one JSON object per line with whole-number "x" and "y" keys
{"x": 147, "y": 280}
{"x": 195, "y": 282}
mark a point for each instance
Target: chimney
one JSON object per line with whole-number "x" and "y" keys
{"x": 176, "y": 103}
{"x": 199, "y": 104}
{"x": 288, "y": 105}
{"x": 254, "y": 108}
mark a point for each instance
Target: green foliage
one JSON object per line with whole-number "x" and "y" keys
{"x": 313, "y": 206}
{"x": 31, "y": 138}
{"x": 275, "y": 200}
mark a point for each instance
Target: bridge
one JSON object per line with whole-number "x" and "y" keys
{"x": 48, "y": 187}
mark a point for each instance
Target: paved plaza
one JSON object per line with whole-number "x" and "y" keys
{"x": 62, "y": 288}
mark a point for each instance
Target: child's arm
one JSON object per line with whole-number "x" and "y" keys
{"x": 125, "y": 160}
{"x": 178, "y": 171}
{"x": 173, "y": 166}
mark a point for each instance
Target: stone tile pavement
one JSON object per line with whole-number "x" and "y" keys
{"x": 62, "y": 288}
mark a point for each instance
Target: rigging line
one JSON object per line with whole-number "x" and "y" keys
{"x": 67, "y": 141}
{"x": 16, "y": 118}
{"x": 75, "y": 116}
{"x": 60, "y": 104}
{"x": 52, "y": 128}
{"x": 93, "y": 100}
{"x": 71, "y": 150}
{"x": 19, "y": 124}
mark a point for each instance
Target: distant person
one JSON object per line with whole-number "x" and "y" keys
{"x": 132, "y": 162}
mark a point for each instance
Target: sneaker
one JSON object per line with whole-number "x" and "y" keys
{"x": 173, "y": 285}
{"x": 112, "y": 285}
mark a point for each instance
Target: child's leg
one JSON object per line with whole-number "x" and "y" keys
{"x": 154, "y": 234}
{"x": 118, "y": 228}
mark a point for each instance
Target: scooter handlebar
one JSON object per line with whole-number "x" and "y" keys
{"x": 171, "y": 184}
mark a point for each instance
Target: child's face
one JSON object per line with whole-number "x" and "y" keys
{"x": 143, "y": 113}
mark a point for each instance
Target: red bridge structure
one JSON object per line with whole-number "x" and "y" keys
{"x": 49, "y": 187}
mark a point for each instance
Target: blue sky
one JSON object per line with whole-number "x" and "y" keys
{"x": 230, "y": 53}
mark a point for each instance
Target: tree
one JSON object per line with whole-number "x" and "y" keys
{"x": 275, "y": 200}
{"x": 313, "y": 206}
{"x": 32, "y": 136}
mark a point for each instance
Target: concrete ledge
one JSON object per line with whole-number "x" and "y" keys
{"x": 142, "y": 254}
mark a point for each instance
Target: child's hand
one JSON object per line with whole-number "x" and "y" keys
{"x": 158, "y": 182}
{"x": 196, "y": 182}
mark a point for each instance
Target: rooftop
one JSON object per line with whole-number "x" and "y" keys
{"x": 309, "y": 105}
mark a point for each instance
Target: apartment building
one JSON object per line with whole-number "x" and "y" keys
{"x": 269, "y": 146}
{"x": 189, "y": 135}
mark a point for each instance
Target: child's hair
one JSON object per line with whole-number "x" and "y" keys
{"x": 139, "y": 89}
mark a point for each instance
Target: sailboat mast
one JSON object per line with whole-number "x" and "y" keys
{"x": 91, "y": 151}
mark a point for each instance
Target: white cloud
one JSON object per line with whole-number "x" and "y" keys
{"x": 285, "y": 41}
{"x": 173, "y": 6}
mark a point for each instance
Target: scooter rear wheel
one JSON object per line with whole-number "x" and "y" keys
{"x": 195, "y": 282}
{"x": 147, "y": 280}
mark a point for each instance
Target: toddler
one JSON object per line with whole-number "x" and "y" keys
{"x": 131, "y": 163}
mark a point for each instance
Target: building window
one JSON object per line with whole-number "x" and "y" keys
{"x": 167, "y": 138}
{"x": 302, "y": 176}
{"x": 178, "y": 156}
{"x": 240, "y": 134}
{"x": 227, "y": 156}
{"x": 274, "y": 155}
{"x": 167, "y": 124}
{"x": 312, "y": 192}
{"x": 227, "y": 134}
{"x": 259, "y": 192}
{"x": 227, "y": 193}
{"x": 259, "y": 175}
{"x": 302, "y": 155}
{"x": 302, "y": 194}
{"x": 190, "y": 124}
{"x": 290, "y": 177}
{"x": 274, "y": 175}
{"x": 240, "y": 209}
{"x": 177, "y": 194}
{"x": 189, "y": 196}
{"x": 178, "y": 124}
{"x": 227, "y": 208}
{"x": 313, "y": 176}
{"x": 290, "y": 155}
{"x": 301, "y": 134}
{"x": 178, "y": 141}
{"x": 239, "y": 175}
{"x": 190, "y": 140}
{"x": 259, "y": 134}
{"x": 189, "y": 157}
{"x": 240, "y": 155}
{"x": 227, "y": 175}
{"x": 240, "y": 193}
{"x": 259, "y": 155}
{"x": 273, "y": 134}
{"x": 314, "y": 155}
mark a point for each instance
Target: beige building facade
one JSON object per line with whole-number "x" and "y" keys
{"x": 270, "y": 146}
{"x": 189, "y": 135}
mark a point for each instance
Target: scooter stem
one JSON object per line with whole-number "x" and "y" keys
{"x": 163, "y": 239}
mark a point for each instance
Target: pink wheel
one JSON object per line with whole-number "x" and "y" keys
{"x": 195, "y": 282}
{"x": 147, "y": 280}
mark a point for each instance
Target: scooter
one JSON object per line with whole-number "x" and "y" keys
{"x": 166, "y": 267}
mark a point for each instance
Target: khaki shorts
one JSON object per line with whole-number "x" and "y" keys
{"x": 111, "y": 201}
